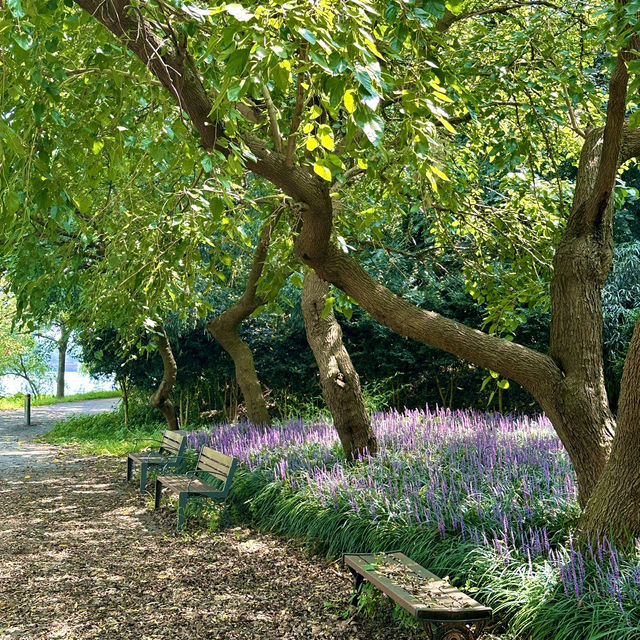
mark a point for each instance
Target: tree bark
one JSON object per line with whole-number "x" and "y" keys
{"x": 63, "y": 343}
{"x": 225, "y": 327}
{"x": 160, "y": 399}
{"x": 338, "y": 377}
{"x": 614, "y": 507}
{"x": 124, "y": 387}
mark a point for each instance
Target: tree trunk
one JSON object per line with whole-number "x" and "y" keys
{"x": 160, "y": 399}
{"x": 225, "y": 327}
{"x": 63, "y": 343}
{"x": 124, "y": 387}
{"x": 614, "y": 507}
{"x": 338, "y": 377}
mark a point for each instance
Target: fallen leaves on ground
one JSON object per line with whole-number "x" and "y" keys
{"x": 82, "y": 556}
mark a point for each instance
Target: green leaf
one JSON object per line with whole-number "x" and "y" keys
{"x": 439, "y": 173}
{"x": 349, "y": 101}
{"x": 15, "y": 6}
{"x": 239, "y": 12}
{"x": 207, "y": 164}
{"x": 328, "y": 306}
{"x": 97, "y": 146}
{"x": 326, "y": 137}
{"x": 634, "y": 120}
{"x": 12, "y": 201}
{"x": 307, "y": 35}
{"x": 374, "y": 129}
{"x": 322, "y": 171}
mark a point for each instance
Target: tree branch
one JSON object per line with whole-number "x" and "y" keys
{"x": 273, "y": 120}
{"x": 297, "y": 114}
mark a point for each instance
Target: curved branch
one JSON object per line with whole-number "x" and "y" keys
{"x": 160, "y": 399}
{"x": 534, "y": 371}
{"x": 224, "y": 329}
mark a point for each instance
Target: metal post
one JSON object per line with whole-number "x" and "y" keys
{"x": 27, "y": 409}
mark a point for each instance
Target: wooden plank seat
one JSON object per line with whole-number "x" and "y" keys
{"x": 169, "y": 454}
{"x": 446, "y": 612}
{"x": 210, "y": 462}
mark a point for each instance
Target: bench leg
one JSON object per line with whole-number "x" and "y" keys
{"x": 143, "y": 476}
{"x": 357, "y": 586}
{"x": 182, "y": 503}
{"x": 452, "y": 631}
{"x": 129, "y": 468}
{"x": 158, "y": 494}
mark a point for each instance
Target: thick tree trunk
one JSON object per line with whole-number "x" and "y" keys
{"x": 63, "y": 343}
{"x": 160, "y": 399}
{"x": 225, "y": 327}
{"x": 614, "y": 506}
{"x": 338, "y": 377}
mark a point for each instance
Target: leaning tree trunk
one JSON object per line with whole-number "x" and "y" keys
{"x": 63, "y": 343}
{"x": 160, "y": 399}
{"x": 338, "y": 377}
{"x": 225, "y": 327}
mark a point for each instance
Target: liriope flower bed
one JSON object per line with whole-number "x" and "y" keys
{"x": 488, "y": 500}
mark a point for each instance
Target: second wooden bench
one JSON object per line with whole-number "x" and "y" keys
{"x": 447, "y": 614}
{"x": 192, "y": 485}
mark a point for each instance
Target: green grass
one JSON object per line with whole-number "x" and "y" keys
{"x": 105, "y": 434}
{"x": 17, "y": 401}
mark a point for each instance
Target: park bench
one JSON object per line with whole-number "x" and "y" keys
{"x": 447, "y": 614}
{"x": 169, "y": 455}
{"x": 191, "y": 485}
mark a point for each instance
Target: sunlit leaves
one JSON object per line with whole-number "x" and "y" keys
{"x": 323, "y": 171}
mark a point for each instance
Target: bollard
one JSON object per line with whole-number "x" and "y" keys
{"x": 27, "y": 409}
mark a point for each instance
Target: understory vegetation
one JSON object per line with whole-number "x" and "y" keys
{"x": 485, "y": 499}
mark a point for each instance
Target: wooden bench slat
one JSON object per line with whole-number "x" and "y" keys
{"x": 172, "y": 440}
{"x": 213, "y": 471}
{"x": 148, "y": 457}
{"x": 216, "y": 458}
{"x": 446, "y": 603}
{"x": 192, "y": 485}
{"x": 216, "y": 463}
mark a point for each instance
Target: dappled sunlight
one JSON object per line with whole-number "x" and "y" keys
{"x": 96, "y": 562}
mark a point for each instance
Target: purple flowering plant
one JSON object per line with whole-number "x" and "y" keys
{"x": 500, "y": 488}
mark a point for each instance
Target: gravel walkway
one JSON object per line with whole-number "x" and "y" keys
{"x": 17, "y": 451}
{"x": 83, "y": 557}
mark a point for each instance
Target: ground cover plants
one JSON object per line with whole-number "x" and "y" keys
{"x": 16, "y": 401}
{"x": 489, "y": 501}
{"x": 106, "y": 433}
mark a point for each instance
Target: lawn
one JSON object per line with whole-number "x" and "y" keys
{"x": 16, "y": 401}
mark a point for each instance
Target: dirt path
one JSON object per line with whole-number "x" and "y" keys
{"x": 82, "y": 556}
{"x": 17, "y": 451}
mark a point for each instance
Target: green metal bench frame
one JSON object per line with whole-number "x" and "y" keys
{"x": 191, "y": 485}
{"x": 170, "y": 454}
{"x": 446, "y": 612}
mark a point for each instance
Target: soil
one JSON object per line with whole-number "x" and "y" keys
{"x": 83, "y": 556}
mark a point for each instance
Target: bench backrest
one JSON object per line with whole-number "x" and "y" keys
{"x": 173, "y": 442}
{"x": 217, "y": 464}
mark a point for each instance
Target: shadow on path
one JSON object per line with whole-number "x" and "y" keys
{"x": 83, "y": 557}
